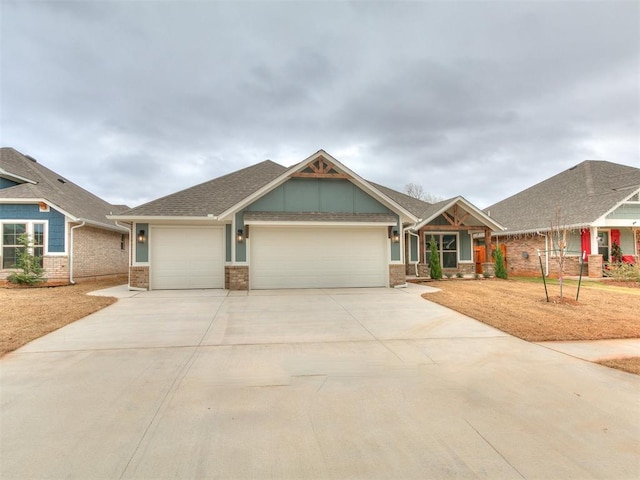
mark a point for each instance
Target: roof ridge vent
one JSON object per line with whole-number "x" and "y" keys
{"x": 589, "y": 179}
{"x": 62, "y": 180}
{"x": 31, "y": 158}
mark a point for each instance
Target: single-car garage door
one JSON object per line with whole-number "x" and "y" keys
{"x": 186, "y": 257}
{"x": 318, "y": 257}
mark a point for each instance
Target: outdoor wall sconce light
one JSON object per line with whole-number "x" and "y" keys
{"x": 395, "y": 237}
{"x": 240, "y": 236}
{"x": 142, "y": 236}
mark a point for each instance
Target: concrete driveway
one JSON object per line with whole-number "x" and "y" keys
{"x": 359, "y": 383}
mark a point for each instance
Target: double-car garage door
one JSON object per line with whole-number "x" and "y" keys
{"x": 318, "y": 257}
{"x": 280, "y": 257}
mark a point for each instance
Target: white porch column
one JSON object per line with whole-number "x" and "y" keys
{"x": 594, "y": 240}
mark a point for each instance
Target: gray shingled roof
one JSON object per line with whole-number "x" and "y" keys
{"x": 212, "y": 197}
{"x": 584, "y": 193}
{"x": 319, "y": 217}
{"x": 413, "y": 205}
{"x": 54, "y": 188}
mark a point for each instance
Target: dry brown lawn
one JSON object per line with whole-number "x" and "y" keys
{"x": 520, "y": 308}
{"x": 628, "y": 364}
{"x": 29, "y": 313}
{"x": 513, "y": 306}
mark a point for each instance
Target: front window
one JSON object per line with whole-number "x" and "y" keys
{"x": 11, "y": 233}
{"x": 10, "y": 246}
{"x": 447, "y": 246}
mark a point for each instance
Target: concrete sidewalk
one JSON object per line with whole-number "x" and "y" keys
{"x": 594, "y": 350}
{"x": 345, "y": 383}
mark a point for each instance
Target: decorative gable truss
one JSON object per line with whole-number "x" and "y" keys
{"x": 320, "y": 168}
{"x": 454, "y": 219}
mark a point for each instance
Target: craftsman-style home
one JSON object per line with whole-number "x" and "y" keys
{"x": 596, "y": 202}
{"x": 316, "y": 224}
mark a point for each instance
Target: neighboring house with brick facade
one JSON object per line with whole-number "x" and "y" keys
{"x": 316, "y": 224}
{"x": 68, "y": 225}
{"x": 598, "y": 204}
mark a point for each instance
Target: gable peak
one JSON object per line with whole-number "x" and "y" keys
{"x": 320, "y": 167}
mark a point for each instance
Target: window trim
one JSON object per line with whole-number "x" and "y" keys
{"x": 29, "y": 230}
{"x": 427, "y": 239}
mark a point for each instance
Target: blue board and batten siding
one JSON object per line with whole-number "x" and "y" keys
{"x": 5, "y": 183}
{"x": 30, "y": 212}
{"x": 316, "y": 195}
{"x": 142, "y": 249}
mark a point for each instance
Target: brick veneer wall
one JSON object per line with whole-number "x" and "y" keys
{"x": 56, "y": 267}
{"x": 528, "y": 265}
{"x": 236, "y": 277}
{"x": 139, "y": 277}
{"x": 98, "y": 252}
{"x": 397, "y": 275}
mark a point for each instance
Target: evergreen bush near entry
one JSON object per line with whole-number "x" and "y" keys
{"x": 435, "y": 270}
{"x": 32, "y": 273}
{"x": 616, "y": 253}
{"x": 500, "y": 270}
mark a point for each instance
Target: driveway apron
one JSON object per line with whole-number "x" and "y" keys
{"x": 344, "y": 383}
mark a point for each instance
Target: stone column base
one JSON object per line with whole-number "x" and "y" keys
{"x": 488, "y": 269}
{"x": 139, "y": 277}
{"x": 595, "y": 266}
{"x": 236, "y": 277}
{"x": 397, "y": 275}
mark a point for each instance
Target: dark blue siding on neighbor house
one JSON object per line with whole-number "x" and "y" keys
{"x": 4, "y": 183}
{"x": 32, "y": 212}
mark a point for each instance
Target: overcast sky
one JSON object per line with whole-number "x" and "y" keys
{"x": 133, "y": 100}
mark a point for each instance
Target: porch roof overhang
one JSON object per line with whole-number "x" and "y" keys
{"x": 438, "y": 209}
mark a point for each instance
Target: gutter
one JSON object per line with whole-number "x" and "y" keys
{"x": 71, "y": 280}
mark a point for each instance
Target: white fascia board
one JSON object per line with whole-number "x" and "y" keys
{"x": 105, "y": 226}
{"x": 71, "y": 218}
{"x": 495, "y": 226}
{"x": 617, "y": 222}
{"x": 33, "y": 201}
{"x": 388, "y": 202}
{"x": 153, "y": 218}
{"x": 284, "y": 223}
{"x": 13, "y": 177}
{"x": 603, "y": 218}
{"x": 543, "y": 231}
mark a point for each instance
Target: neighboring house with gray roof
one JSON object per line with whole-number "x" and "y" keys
{"x": 598, "y": 203}
{"x": 67, "y": 224}
{"x": 316, "y": 224}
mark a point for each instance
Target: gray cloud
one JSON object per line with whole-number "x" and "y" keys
{"x": 134, "y": 100}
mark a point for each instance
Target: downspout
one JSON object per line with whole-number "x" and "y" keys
{"x": 131, "y": 246}
{"x": 71, "y": 280}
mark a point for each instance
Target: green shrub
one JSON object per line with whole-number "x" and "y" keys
{"x": 435, "y": 270}
{"x": 459, "y": 275}
{"x": 500, "y": 270}
{"x": 32, "y": 273}
{"x": 623, "y": 272}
